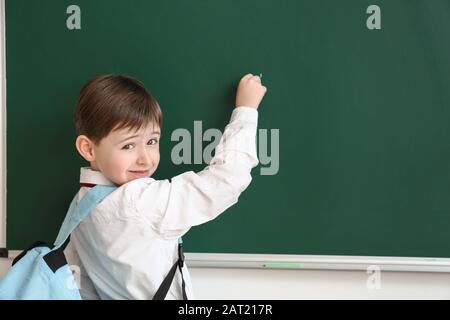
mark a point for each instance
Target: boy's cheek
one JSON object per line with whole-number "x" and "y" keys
{"x": 115, "y": 162}
{"x": 120, "y": 165}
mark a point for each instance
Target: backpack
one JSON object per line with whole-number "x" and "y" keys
{"x": 41, "y": 272}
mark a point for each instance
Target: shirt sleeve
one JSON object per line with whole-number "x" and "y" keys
{"x": 191, "y": 199}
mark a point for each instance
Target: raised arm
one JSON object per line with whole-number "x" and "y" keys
{"x": 191, "y": 198}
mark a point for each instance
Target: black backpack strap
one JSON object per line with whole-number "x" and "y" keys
{"x": 56, "y": 259}
{"x": 34, "y": 245}
{"x": 165, "y": 285}
{"x": 180, "y": 265}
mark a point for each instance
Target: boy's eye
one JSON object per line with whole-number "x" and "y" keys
{"x": 155, "y": 141}
{"x": 126, "y": 147}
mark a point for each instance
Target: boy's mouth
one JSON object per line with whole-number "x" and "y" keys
{"x": 140, "y": 174}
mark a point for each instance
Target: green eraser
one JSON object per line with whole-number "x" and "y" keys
{"x": 283, "y": 265}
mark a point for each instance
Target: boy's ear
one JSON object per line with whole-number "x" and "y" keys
{"x": 85, "y": 147}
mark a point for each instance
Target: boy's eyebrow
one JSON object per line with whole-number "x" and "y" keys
{"x": 136, "y": 135}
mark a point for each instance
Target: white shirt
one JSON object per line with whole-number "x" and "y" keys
{"x": 126, "y": 246}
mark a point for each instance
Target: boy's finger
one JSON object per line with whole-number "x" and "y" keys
{"x": 247, "y": 76}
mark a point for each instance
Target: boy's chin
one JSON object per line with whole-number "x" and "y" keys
{"x": 131, "y": 179}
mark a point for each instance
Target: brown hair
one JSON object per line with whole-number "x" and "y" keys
{"x": 111, "y": 102}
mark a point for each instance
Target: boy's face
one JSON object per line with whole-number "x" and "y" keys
{"x": 126, "y": 155}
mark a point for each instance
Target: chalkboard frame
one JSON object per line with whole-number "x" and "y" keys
{"x": 2, "y": 129}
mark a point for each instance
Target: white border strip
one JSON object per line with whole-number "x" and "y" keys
{"x": 312, "y": 262}
{"x": 2, "y": 126}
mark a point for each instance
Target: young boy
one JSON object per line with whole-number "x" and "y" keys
{"x": 126, "y": 246}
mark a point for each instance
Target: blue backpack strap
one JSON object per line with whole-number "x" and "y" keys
{"x": 78, "y": 212}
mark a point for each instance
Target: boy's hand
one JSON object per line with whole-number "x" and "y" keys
{"x": 250, "y": 91}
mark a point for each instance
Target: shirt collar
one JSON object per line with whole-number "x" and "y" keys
{"x": 93, "y": 177}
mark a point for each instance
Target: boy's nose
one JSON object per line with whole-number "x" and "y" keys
{"x": 144, "y": 159}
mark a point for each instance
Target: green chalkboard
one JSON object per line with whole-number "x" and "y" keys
{"x": 362, "y": 113}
